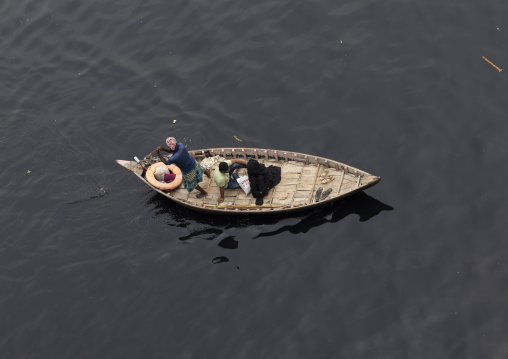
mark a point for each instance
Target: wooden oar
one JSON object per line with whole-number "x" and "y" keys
{"x": 152, "y": 153}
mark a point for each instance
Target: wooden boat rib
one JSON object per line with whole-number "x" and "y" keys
{"x": 297, "y": 189}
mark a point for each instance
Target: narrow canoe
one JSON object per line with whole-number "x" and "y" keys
{"x": 297, "y": 190}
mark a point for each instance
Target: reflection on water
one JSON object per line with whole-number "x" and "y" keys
{"x": 229, "y": 243}
{"x": 207, "y": 234}
{"x": 361, "y": 204}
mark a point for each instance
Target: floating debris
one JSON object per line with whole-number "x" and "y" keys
{"x": 221, "y": 259}
{"x": 28, "y": 171}
{"x": 174, "y": 121}
{"x": 238, "y": 139}
{"x": 498, "y": 69}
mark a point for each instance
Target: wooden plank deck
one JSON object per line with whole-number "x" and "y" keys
{"x": 297, "y": 182}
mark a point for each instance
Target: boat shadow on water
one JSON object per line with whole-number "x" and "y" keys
{"x": 361, "y": 204}
{"x": 217, "y": 227}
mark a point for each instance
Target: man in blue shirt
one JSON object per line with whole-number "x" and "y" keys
{"x": 192, "y": 172}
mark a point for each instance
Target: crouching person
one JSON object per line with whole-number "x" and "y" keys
{"x": 225, "y": 175}
{"x": 262, "y": 179}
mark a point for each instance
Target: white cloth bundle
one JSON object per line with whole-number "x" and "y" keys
{"x": 209, "y": 162}
{"x": 160, "y": 172}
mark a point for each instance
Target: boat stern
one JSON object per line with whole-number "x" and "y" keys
{"x": 130, "y": 166}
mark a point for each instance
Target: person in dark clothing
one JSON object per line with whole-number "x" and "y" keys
{"x": 262, "y": 179}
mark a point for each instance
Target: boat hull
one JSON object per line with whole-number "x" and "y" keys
{"x": 301, "y": 175}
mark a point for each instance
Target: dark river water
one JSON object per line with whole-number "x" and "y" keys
{"x": 94, "y": 264}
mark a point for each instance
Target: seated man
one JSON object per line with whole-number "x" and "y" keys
{"x": 226, "y": 171}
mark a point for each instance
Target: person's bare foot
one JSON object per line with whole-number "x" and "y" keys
{"x": 201, "y": 195}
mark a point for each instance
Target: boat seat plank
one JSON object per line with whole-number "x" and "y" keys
{"x": 288, "y": 181}
{"x": 291, "y": 169}
{"x": 290, "y": 175}
{"x": 282, "y": 194}
{"x": 309, "y": 171}
{"x": 268, "y": 196}
{"x": 231, "y": 193}
{"x": 281, "y": 201}
{"x": 286, "y": 187}
{"x": 212, "y": 199}
{"x": 301, "y": 195}
{"x": 306, "y": 180}
{"x": 304, "y": 187}
{"x": 267, "y": 200}
{"x": 212, "y": 189}
{"x": 242, "y": 195}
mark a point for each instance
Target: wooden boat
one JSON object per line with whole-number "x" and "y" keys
{"x": 301, "y": 180}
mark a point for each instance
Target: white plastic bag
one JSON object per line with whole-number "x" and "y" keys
{"x": 243, "y": 181}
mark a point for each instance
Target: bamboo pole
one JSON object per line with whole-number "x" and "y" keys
{"x": 244, "y": 207}
{"x": 498, "y": 69}
{"x": 314, "y": 185}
